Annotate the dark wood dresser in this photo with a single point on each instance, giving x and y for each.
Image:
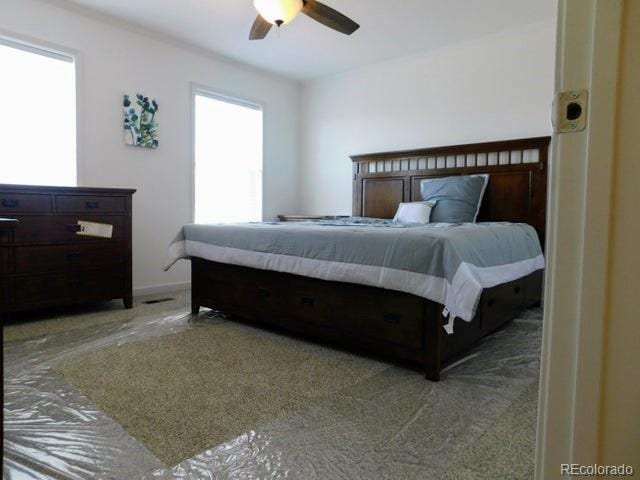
(45, 260)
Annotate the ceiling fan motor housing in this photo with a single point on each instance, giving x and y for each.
(278, 12)
(281, 12)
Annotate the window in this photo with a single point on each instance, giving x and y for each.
(228, 160)
(38, 121)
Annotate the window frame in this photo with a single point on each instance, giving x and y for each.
(42, 47)
(216, 94)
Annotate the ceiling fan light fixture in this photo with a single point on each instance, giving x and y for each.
(278, 12)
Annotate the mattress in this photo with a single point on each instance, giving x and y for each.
(447, 263)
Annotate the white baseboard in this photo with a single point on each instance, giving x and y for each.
(164, 288)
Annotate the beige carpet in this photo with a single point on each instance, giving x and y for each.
(183, 393)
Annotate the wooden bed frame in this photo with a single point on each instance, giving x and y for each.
(389, 323)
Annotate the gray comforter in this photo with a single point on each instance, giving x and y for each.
(446, 263)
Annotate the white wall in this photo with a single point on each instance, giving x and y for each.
(114, 59)
(493, 88)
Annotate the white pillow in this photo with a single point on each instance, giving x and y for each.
(414, 212)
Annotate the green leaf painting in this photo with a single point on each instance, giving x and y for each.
(140, 122)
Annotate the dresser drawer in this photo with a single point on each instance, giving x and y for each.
(89, 203)
(56, 258)
(63, 228)
(68, 287)
(23, 202)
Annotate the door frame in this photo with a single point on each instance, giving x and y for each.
(579, 212)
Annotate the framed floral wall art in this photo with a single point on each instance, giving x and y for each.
(140, 121)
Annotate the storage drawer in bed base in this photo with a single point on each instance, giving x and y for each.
(386, 322)
(395, 318)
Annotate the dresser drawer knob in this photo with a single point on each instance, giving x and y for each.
(263, 292)
(10, 202)
(93, 204)
(517, 289)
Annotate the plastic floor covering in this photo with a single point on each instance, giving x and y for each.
(392, 425)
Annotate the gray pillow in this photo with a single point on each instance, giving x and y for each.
(457, 198)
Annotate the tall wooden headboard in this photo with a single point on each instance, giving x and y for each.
(516, 192)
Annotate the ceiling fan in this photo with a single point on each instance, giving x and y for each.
(281, 12)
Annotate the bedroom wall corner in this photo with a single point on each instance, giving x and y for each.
(495, 87)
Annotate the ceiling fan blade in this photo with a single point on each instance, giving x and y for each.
(259, 29)
(329, 17)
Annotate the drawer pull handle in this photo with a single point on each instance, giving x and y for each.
(392, 318)
(263, 292)
(307, 301)
(491, 302)
(10, 202)
(74, 227)
(93, 204)
(517, 289)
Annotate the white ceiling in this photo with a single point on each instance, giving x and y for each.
(305, 49)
